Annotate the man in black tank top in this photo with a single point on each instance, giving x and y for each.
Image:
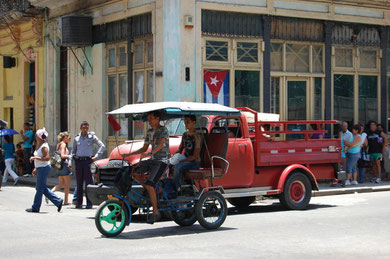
(377, 142)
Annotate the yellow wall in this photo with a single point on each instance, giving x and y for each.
(29, 37)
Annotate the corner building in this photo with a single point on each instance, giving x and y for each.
(301, 59)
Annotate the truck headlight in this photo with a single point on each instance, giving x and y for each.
(93, 168)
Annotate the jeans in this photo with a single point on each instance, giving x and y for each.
(180, 168)
(41, 189)
(8, 170)
(352, 159)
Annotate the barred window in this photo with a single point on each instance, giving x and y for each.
(344, 57)
(297, 58)
(247, 52)
(217, 50)
(367, 58)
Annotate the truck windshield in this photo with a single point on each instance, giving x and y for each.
(176, 126)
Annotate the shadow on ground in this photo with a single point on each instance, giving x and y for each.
(165, 232)
(274, 207)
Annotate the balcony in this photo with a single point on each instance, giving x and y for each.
(15, 11)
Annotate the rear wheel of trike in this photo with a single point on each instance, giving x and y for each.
(110, 220)
(184, 217)
(211, 210)
(296, 192)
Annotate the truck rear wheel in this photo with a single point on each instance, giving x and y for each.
(242, 202)
(296, 192)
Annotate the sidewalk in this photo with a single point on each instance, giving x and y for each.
(325, 188)
(52, 180)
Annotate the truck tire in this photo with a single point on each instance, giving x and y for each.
(296, 192)
(211, 210)
(242, 202)
(184, 218)
(107, 221)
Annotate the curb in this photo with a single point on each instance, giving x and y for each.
(352, 190)
(32, 183)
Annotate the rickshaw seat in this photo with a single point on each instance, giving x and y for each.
(217, 143)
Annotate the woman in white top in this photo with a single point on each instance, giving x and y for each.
(41, 159)
(64, 174)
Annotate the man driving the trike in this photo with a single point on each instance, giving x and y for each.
(158, 137)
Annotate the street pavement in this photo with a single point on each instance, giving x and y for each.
(324, 188)
(338, 226)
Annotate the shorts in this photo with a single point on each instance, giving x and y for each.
(156, 169)
(375, 156)
(64, 171)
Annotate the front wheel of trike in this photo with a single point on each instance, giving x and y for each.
(110, 220)
(211, 210)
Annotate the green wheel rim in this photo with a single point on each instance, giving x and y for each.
(109, 219)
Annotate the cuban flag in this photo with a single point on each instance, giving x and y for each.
(216, 87)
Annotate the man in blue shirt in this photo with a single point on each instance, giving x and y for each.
(28, 138)
(82, 155)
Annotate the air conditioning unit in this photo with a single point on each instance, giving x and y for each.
(9, 62)
(76, 30)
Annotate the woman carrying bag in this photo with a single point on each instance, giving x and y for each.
(41, 160)
(64, 173)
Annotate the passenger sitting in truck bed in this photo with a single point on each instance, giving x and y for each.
(317, 135)
(266, 127)
(191, 142)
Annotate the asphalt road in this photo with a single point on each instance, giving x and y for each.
(342, 226)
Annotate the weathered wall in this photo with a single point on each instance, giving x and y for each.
(87, 92)
(172, 50)
(25, 45)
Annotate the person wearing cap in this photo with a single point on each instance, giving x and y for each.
(82, 155)
(41, 160)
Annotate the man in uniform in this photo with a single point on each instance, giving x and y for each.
(158, 137)
(82, 155)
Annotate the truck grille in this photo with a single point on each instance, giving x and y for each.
(107, 176)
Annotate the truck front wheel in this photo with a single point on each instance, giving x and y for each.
(242, 202)
(296, 192)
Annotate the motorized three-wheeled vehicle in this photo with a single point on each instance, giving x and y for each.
(199, 199)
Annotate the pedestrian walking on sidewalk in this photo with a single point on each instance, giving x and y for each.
(28, 139)
(63, 174)
(352, 150)
(82, 156)
(41, 160)
(9, 157)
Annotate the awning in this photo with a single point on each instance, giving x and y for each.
(174, 109)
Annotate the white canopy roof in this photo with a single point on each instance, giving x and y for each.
(172, 109)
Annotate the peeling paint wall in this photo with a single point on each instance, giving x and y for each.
(87, 92)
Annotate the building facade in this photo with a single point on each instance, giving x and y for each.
(313, 59)
(22, 82)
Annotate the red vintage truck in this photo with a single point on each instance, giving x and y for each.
(286, 167)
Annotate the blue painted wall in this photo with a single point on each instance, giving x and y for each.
(171, 47)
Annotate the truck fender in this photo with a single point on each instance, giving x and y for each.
(296, 167)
